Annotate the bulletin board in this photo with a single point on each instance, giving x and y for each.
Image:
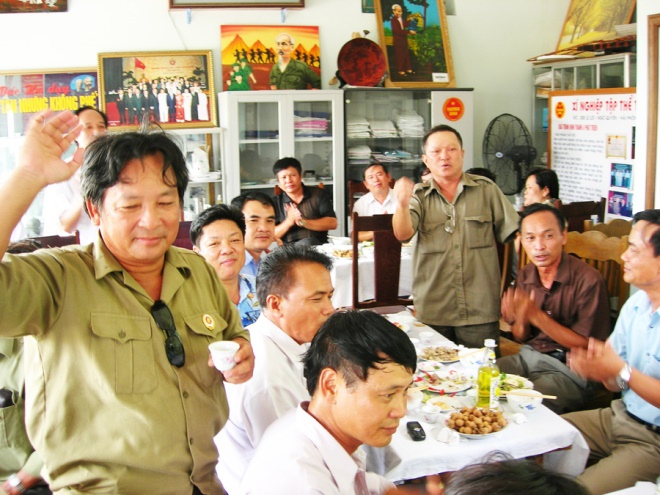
(592, 146)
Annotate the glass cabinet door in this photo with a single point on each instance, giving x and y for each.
(259, 142)
(385, 126)
(313, 140)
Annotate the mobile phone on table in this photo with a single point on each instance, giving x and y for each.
(415, 431)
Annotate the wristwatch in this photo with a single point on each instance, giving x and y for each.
(623, 377)
(303, 221)
(15, 482)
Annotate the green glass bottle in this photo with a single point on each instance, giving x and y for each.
(488, 378)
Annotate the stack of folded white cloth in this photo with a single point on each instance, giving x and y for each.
(359, 155)
(383, 128)
(357, 127)
(409, 123)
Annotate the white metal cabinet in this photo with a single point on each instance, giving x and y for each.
(261, 127)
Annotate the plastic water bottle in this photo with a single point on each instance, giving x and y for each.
(488, 378)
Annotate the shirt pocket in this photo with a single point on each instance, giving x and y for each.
(479, 232)
(12, 425)
(652, 367)
(123, 351)
(433, 238)
(204, 329)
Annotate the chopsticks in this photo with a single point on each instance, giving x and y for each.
(424, 386)
(471, 353)
(525, 393)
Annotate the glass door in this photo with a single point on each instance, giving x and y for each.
(259, 143)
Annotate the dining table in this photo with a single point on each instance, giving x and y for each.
(539, 432)
(342, 274)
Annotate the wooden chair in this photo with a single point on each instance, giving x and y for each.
(387, 262)
(614, 228)
(52, 241)
(183, 236)
(604, 254)
(576, 213)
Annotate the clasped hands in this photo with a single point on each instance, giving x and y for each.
(293, 214)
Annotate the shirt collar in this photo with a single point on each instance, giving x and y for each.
(343, 466)
(388, 199)
(287, 199)
(292, 349)
(430, 186)
(7, 347)
(563, 275)
(105, 263)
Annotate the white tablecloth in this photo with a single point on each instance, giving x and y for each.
(342, 279)
(543, 433)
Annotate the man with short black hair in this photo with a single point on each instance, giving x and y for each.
(625, 438)
(295, 293)
(558, 303)
(259, 211)
(123, 396)
(358, 370)
(458, 218)
(304, 214)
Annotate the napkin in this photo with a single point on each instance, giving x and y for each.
(518, 418)
(447, 435)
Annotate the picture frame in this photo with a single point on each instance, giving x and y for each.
(236, 4)
(23, 6)
(25, 93)
(182, 80)
(584, 18)
(249, 54)
(421, 57)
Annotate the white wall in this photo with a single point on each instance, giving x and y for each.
(490, 40)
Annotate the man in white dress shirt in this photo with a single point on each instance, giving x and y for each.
(358, 370)
(295, 292)
(380, 199)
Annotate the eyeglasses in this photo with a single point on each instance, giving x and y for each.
(450, 224)
(165, 321)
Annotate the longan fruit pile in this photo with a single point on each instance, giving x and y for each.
(475, 421)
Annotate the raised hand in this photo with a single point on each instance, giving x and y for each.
(48, 137)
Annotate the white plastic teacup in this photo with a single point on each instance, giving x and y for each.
(223, 353)
(427, 337)
(430, 413)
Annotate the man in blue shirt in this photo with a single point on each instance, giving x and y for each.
(625, 438)
(259, 212)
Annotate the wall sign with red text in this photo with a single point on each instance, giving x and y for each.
(23, 95)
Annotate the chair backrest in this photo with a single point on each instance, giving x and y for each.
(604, 254)
(387, 262)
(614, 228)
(576, 213)
(51, 241)
(183, 236)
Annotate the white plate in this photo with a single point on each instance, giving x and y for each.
(515, 382)
(403, 326)
(448, 361)
(448, 383)
(445, 403)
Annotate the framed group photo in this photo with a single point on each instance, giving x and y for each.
(415, 40)
(170, 89)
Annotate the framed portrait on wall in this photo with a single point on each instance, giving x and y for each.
(23, 94)
(234, 4)
(24, 6)
(415, 40)
(171, 89)
(270, 57)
